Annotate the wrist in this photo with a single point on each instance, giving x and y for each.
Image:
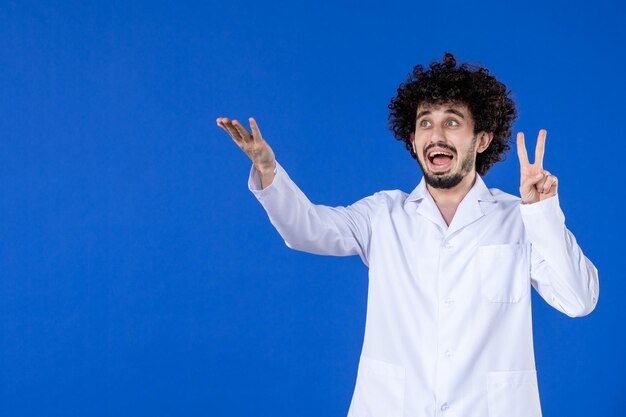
(266, 170)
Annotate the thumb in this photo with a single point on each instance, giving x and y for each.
(528, 183)
(534, 179)
(256, 133)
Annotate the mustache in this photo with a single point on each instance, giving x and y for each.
(440, 145)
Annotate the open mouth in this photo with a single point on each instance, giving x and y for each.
(440, 160)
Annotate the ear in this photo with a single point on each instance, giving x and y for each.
(412, 137)
(484, 139)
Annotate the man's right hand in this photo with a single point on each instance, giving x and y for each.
(253, 145)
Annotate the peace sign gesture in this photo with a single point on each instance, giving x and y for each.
(536, 184)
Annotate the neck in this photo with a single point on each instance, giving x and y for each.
(447, 198)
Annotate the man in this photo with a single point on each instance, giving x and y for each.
(448, 329)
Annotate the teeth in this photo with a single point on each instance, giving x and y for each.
(433, 154)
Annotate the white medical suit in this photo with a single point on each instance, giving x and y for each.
(448, 327)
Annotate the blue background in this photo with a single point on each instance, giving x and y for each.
(139, 276)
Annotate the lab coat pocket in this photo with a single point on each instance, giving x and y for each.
(513, 394)
(504, 272)
(379, 390)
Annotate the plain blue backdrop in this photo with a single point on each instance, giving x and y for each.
(140, 277)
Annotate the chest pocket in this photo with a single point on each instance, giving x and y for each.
(504, 272)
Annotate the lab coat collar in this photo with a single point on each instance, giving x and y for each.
(477, 203)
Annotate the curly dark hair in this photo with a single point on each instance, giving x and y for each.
(443, 82)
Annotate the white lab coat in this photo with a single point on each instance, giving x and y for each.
(448, 328)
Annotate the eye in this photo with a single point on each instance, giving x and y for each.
(424, 123)
(452, 123)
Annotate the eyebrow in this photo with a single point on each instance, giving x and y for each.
(450, 110)
(454, 111)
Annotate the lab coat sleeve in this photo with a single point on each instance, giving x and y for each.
(315, 228)
(560, 272)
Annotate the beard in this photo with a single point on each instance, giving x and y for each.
(451, 179)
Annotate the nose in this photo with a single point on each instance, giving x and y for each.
(437, 134)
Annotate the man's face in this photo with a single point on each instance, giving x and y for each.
(445, 143)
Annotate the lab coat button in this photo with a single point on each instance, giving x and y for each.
(448, 353)
(444, 407)
(448, 301)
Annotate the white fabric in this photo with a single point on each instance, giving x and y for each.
(448, 327)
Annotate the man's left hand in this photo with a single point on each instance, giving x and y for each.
(536, 184)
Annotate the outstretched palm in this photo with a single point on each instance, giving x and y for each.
(252, 144)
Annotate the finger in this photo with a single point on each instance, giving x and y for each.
(228, 126)
(224, 123)
(540, 148)
(256, 133)
(243, 132)
(532, 181)
(554, 187)
(220, 122)
(234, 132)
(551, 184)
(521, 149)
(541, 185)
(528, 192)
